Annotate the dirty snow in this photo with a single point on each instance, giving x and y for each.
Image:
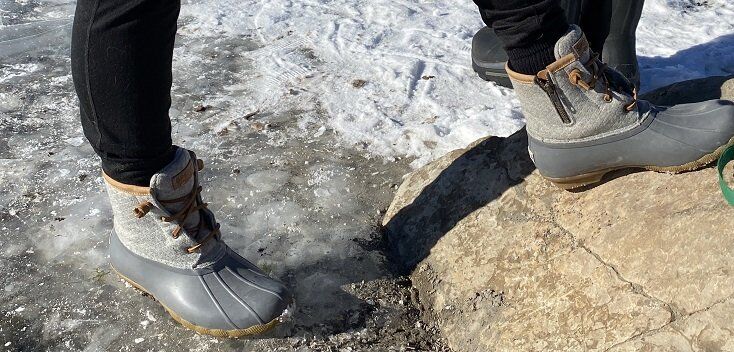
(397, 46)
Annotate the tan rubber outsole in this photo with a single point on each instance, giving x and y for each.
(569, 183)
(254, 330)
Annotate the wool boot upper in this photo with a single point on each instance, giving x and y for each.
(576, 98)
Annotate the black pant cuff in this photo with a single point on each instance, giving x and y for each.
(136, 172)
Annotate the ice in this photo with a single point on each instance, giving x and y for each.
(9, 102)
(268, 180)
(20, 38)
(150, 316)
(75, 141)
(312, 111)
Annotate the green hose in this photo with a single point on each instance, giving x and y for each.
(725, 158)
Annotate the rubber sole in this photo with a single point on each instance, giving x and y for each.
(592, 178)
(492, 75)
(254, 330)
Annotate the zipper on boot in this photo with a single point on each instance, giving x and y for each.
(552, 92)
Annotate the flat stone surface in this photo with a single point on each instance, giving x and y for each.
(705, 331)
(505, 261)
(667, 233)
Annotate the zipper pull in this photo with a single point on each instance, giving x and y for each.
(552, 92)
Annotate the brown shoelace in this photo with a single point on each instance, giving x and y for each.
(190, 206)
(598, 68)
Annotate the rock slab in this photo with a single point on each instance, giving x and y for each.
(505, 261)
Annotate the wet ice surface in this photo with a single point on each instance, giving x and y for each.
(312, 111)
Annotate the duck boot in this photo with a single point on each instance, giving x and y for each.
(167, 243)
(488, 56)
(584, 120)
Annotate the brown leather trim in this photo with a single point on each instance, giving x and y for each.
(581, 46)
(561, 63)
(543, 74)
(552, 68)
(519, 77)
(129, 189)
(183, 176)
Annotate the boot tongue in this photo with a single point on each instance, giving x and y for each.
(174, 181)
(573, 42)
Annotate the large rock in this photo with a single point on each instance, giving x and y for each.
(505, 261)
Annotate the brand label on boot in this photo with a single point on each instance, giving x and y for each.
(581, 47)
(184, 176)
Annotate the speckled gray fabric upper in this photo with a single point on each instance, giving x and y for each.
(591, 116)
(149, 236)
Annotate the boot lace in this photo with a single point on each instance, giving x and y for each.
(600, 71)
(191, 205)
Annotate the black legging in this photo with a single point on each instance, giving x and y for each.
(121, 54)
(523, 23)
(121, 62)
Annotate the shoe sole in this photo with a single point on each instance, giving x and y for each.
(491, 75)
(592, 178)
(254, 330)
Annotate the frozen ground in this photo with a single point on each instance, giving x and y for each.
(348, 95)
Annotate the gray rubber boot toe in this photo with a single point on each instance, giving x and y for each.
(703, 126)
(232, 298)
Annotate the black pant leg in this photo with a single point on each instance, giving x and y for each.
(522, 23)
(121, 63)
(528, 30)
(595, 22)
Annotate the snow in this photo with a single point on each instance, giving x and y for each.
(677, 41)
(314, 111)
(322, 47)
(392, 45)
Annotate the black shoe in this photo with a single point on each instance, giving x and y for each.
(488, 58)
